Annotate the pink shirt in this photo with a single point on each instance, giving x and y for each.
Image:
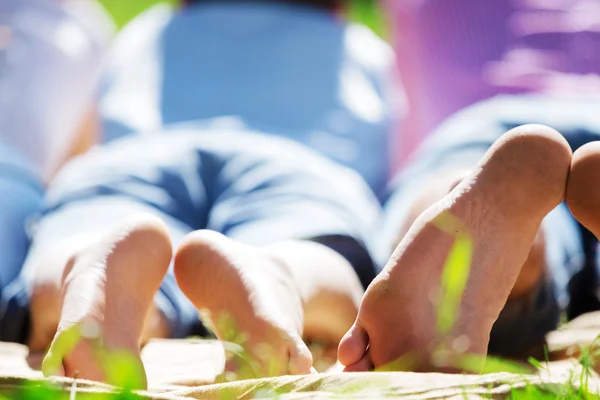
(453, 53)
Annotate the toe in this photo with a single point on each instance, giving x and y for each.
(300, 358)
(365, 364)
(353, 345)
(52, 365)
(51, 368)
(83, 364)
(64, 342)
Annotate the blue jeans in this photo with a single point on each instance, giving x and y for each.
(254, 188)
(459, 144)
(21, 195)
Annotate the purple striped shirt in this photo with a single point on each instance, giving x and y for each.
(453, 53)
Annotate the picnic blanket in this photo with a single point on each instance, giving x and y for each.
(187, 369)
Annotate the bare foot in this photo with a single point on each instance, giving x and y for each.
(253, 290)
(106, 298)
(495, 214)
(583, 189)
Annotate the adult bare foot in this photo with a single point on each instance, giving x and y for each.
(495, 214)
(107, 293)
(253, 290)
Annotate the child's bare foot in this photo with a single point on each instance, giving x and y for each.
(583, 199)
(252, 289)
(497, 211)
(583, 189)
(107, 293)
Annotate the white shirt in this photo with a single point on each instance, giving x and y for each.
(282, 69)
(50, 60)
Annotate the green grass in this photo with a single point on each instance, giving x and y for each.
(367, 12)
(370, 13)
(123, 371)
(576, 387)
(123, 374)
(123, 11)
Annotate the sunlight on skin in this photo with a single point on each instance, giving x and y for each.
(456, 271)
(242, 365)
(63, 345)
(120, 367)
(454, 279)
(121, 370)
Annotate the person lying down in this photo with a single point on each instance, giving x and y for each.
(262, 232)
(277, 203)
(256, 233)
(274, 249)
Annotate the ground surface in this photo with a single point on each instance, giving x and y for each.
(187, 369)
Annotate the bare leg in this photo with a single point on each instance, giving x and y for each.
(109, 287)
(271, 294)
(499, 207)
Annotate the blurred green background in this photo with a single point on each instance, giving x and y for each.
(365, 11)
(122, 11)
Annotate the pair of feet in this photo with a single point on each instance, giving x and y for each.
(108, 291)
(494, 214)
(483, 231)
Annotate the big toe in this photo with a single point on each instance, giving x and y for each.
(353, 345)
(365, 364)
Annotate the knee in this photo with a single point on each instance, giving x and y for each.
(583, 188)
(537, 160)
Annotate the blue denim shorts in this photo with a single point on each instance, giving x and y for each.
(459, 144)
(254, 188)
